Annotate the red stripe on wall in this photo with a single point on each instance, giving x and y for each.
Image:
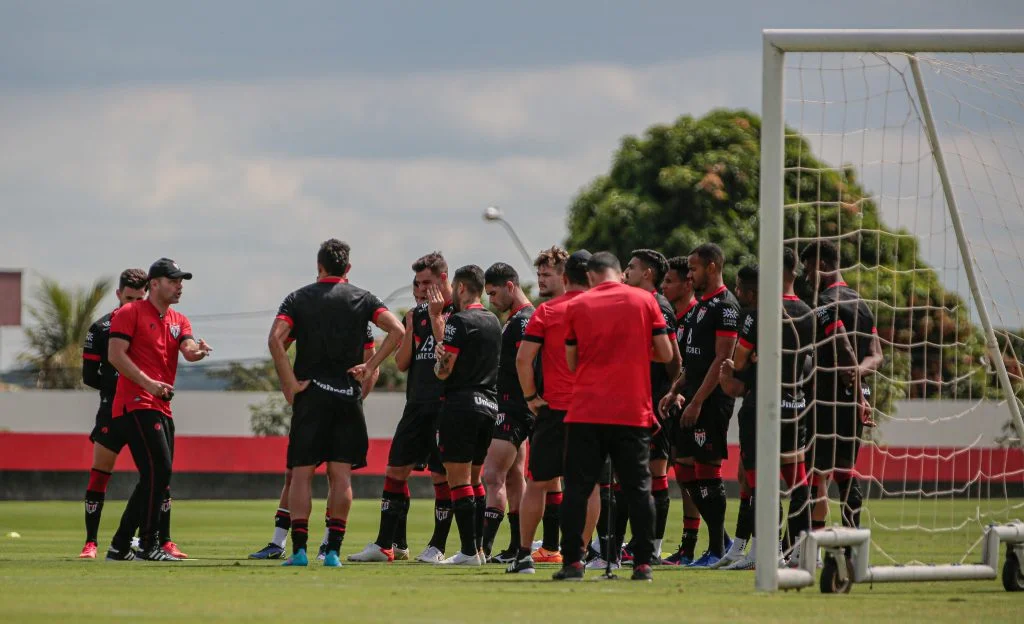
(230, 454)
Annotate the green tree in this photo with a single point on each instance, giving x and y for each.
(698, 180)
(61, 318)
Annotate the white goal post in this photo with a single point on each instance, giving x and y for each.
(776, 45)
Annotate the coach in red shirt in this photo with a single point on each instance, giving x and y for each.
(614, 332)
(145, 339)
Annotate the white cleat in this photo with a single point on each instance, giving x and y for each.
(430, 554)
(746, 562)
(601, 564)
(372, 553)
(733, 555)
(462, 559)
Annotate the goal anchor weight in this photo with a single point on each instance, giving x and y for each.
(842, 543)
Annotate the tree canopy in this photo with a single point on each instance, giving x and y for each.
(697, 180)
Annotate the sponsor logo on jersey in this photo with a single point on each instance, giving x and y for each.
(329, 388)
(748, 322)
(730, 314)
(700, 315)
(483, 402)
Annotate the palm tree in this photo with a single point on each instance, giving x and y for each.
(62, 317)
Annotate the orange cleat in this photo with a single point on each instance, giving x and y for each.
(542, 555)
(172, 549)
(88, 551)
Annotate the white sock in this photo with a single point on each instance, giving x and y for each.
(327, 532)
(280, 535)
(752, 545)
(738, 544)
(657, 548)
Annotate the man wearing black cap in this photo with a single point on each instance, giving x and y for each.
(145, 339)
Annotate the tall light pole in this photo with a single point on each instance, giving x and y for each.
(494, 214)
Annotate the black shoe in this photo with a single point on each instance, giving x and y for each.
(505, 557)
(521, 566)
(114, 554)
(642, 573)
(570, 572)
(591, 554)
(156, 554)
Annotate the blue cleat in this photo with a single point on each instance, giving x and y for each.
(298, 559)
(270, 551)
(706, 560)
(331, 559)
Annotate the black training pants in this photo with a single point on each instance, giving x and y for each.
(151, 440)
(629, 448)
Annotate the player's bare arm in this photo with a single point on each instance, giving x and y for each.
(662, 351)
(525, 357)
(403, 358)
(371, 381)
(278, 343)
(874, 358)
(387, 322)
(194, 351)
(724, 347)
(444, 362)
(117, 355)
(675, 365)
(741, 360)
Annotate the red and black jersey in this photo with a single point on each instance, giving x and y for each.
(422, 385)
(154, 340)
(798, 331)
(96, 369)
(548, 329)
(660, 381)
(329, 322)
(474, 334)
(510, 393)
(841, 306)
(716, 314)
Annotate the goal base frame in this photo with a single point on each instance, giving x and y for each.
(837, 540)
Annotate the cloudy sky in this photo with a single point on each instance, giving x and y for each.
(235, 136)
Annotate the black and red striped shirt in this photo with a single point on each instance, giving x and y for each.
(329, 325)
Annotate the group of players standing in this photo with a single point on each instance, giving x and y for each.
(591, 378)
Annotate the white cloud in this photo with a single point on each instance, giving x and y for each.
(240, 181)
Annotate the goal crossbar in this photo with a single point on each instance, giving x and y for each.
(776, 43)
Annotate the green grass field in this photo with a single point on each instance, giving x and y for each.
(41, 580)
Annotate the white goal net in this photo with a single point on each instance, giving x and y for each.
(943, 461)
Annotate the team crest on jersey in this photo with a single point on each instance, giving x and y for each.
(175, 331)
(700, 436)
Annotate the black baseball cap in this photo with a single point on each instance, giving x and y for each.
(578, 260)
(165, 267)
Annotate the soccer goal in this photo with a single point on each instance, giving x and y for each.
(906, 149)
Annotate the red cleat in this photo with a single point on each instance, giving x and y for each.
(172, 549)
(88, 551)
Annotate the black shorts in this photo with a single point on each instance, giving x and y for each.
(793, 433)
(661, 440)
(327, 427)
(547, 445)
(108, 432)
(464, 435)
(514, 425)
(415, 440)
(837, 436)
(707, 440)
